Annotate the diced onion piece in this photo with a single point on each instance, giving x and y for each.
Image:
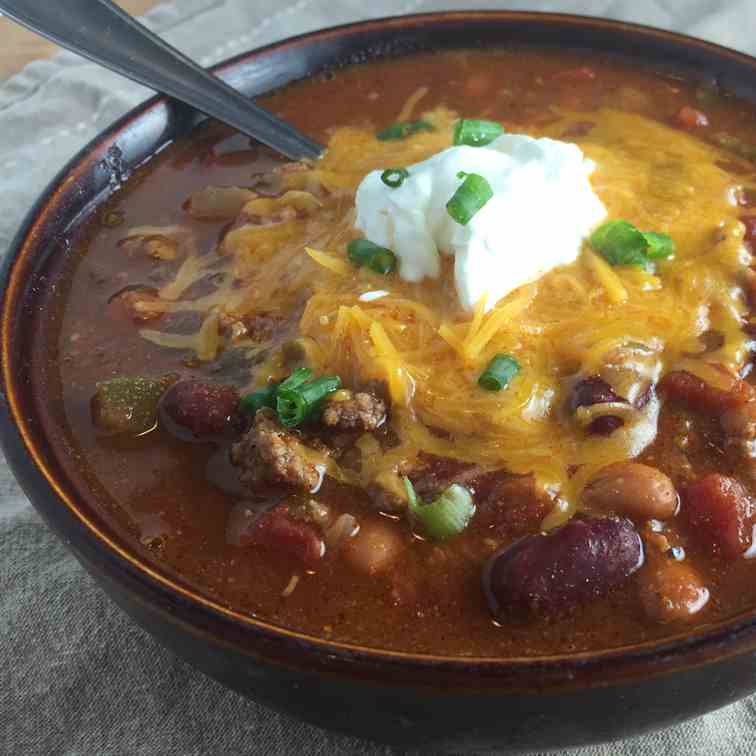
(208, 338)
(218, 202)
(345, 526)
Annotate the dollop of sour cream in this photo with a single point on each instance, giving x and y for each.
(543, 207)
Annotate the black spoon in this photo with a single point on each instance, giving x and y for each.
(102, 32)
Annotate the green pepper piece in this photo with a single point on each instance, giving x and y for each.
(128, 405)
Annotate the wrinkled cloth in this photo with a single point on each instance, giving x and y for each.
(76, 675)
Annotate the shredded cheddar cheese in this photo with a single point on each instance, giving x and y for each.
(289, 253)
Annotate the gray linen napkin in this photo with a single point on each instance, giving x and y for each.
(78, 677)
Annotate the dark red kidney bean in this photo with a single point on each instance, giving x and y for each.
(689, 389)
(590, 391)
(199, 411)
(552, 574)
(605, 425)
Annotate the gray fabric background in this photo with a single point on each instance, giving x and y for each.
(76, 676)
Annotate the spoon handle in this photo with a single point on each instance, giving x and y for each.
(102, 32)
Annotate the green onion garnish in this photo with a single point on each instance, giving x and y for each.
(444, 517)
(660, 246)
(476, 133)
(296, 404)
(403, 129)
(621, 243)
(363, 252)
(266, 397)
(297, 378)
(470, 197)
(394, 177)
(499, 372)
(295, 399)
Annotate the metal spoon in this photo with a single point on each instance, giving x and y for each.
(102, 32)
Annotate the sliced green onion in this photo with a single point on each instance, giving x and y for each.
(444, 517)
(660, 246)
(295, 405)
(499, 372)
(476, 133)
(394, 177)
(297, 378)
(363, 252)
(469, 198)
(404, 129)
(266, 397)
(621, 243)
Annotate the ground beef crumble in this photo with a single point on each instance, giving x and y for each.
(270, 452)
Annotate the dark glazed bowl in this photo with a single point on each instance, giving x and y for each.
(435, 702)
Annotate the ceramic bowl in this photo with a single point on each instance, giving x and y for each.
(452, 704)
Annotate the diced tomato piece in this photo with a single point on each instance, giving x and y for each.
(721, 514)
(584, 73)
(690, 118)
(278, 531)
(700, 396)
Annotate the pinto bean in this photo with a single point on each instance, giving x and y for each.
(375, 548)
(551, 574)
(671, 591)
(632, 489)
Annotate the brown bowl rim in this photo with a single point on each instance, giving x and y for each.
(724, 639)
